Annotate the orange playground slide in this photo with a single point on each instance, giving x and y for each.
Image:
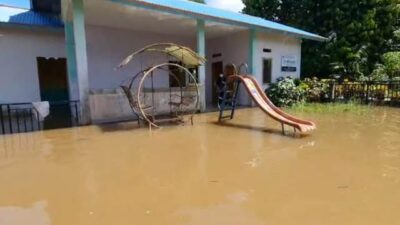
(258, 96)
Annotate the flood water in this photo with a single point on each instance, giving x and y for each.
(242, 173)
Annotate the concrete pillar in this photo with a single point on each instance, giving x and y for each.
(252, 59)
(252, 51)
(71, 61)
(77, 55)
(201, 50)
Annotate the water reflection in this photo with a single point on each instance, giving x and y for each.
(34, 215)
(347, 170)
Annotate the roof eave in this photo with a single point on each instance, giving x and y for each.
(316, 38)
(214, 18)
(311, 36)
(30, 26)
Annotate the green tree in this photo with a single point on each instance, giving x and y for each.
(359, 32)
(391, 60)
(198, 1)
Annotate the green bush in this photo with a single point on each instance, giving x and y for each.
(396, 78)
(315, 90)
(285, 92)
(391, 60)
(378, 74)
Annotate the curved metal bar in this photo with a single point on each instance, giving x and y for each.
(234, 68)
(148, 72)
(246, 67)
(132, 104)
(130, 57)
(152, 48)
(127, 90)
(132, 79)
(177, 80)
(179, 83)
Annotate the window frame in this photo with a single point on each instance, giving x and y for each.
(187, 80)
(265, 81)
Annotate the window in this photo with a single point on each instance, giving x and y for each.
(267, 50)
(180, 74)
(195, 72)
(267, 71)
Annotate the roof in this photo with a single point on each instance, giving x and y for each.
(14, 15)
(47, 6)
(203, 11)
(21, 16)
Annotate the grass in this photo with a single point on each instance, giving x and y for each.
(352, 107)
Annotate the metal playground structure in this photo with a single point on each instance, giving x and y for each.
(228, 101)
(179, 64)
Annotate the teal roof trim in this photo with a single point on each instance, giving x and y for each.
(202, 11)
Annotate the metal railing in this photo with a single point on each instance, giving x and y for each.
(375, 92)
(23, 117)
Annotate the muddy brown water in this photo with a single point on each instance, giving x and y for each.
(243, 173)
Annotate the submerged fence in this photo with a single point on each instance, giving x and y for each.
(23, 117)
(374, 92)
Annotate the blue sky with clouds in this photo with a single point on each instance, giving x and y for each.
(18, 3)
(233, 5)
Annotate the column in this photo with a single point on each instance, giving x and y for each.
(201, 50)
(71, 61)
(252, 51)
(77, 57)
(252, 59)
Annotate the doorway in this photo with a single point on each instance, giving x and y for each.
(216, 70)
(53, 84)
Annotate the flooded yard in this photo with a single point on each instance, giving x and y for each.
(241, 173)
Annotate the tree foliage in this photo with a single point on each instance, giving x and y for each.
(359, 32)
(198, 1)
(285, 92)
(391, 61)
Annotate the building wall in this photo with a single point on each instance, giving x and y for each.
(233, 49)
(280, 45)
(107, 47)
(19, 48)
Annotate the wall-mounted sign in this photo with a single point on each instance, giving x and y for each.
(289, 63)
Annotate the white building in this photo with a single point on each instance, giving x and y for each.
(64, 51)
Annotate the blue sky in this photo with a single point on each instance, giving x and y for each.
(19, 3)
(233, 5)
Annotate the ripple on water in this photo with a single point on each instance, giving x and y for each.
(245, 172)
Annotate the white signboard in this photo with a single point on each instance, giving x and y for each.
(289, 63)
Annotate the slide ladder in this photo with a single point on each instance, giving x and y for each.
(228, 101)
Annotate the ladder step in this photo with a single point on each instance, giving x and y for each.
(228, 108)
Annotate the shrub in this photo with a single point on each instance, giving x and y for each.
(396, 78)
(315, 89)
(285, 92)
(391, 60)
(378, 74)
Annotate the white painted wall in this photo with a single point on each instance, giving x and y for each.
(281, 46)
(234, 49)
(19, 48)
(107, 47)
